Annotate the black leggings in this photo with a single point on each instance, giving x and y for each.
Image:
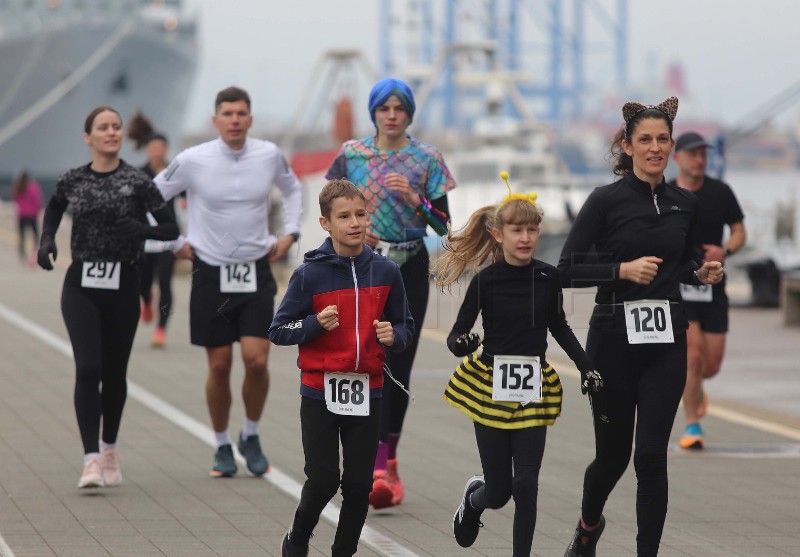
(511, 459)
(101, 325)
(321, 431)
(643, 386)
(415, 273)
(164, 264)
(23, 223)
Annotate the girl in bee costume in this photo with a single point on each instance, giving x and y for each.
(509, 390)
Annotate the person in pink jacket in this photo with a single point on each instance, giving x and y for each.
(27, 194)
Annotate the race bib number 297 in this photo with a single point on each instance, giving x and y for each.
(100, 274)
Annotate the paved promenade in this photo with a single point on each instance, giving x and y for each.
(738, 498)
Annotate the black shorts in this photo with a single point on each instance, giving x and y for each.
(220, 319)
(713, 315)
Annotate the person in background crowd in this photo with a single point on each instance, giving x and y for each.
(159, 260)
(706, 306)
(27, 195)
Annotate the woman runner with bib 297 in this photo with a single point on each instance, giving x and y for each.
(109, 200)
(509, 390)
(634, 240)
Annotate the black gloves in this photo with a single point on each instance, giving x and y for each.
(130, 229)
(46, 247)
(591, 382)
(466, 343)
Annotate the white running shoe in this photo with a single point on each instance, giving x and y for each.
(92, 474)
(112, 473)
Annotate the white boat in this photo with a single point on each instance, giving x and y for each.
(61, 58)
(523, 149)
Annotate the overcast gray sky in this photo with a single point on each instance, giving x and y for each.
(736, 55)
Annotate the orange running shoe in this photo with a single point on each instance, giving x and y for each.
(381, 495)
(398, 491)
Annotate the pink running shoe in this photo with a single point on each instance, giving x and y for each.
(381, 495)
(112, 473)
(92, 475)
(398, 491)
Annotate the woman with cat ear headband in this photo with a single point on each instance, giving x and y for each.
(634, 240)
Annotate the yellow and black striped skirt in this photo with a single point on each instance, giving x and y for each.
(470, 390)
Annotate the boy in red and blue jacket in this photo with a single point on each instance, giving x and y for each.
(344, 306)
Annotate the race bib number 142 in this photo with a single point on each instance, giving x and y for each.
(238, 277)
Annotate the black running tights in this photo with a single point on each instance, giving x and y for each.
(415, 273)
(164, 264)
(511, 459)
(101, 325)
(643, 386)
(321, 431)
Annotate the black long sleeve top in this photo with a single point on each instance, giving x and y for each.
(622, 222)
(98, 201)
(518, 306)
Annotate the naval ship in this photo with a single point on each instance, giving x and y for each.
(61, 58)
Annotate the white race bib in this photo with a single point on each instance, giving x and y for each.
(347, 393)
(517, 379)
(382, 248)
(101, 274)
(648, 321)
(238, 277)
(696, 292)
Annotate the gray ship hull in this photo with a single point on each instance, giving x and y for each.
(147, 69)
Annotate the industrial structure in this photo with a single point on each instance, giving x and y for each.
(552, 52)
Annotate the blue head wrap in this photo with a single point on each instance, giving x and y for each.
(384, 89)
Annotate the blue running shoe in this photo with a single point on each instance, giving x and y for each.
(257, 463)
(224, 463)
(692, 437)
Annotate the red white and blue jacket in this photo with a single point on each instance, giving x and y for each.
(363, 288)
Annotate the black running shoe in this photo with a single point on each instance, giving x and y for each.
(257, 463)
(467, 520)
(289, 549)
(584, 542)
(224, 463)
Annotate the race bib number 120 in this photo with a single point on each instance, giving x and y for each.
(347, 394)
(100, 274)
(517, 379)
(238, 277)
(648, 321)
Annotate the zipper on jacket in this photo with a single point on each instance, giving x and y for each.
(655, 202)
(358, 341)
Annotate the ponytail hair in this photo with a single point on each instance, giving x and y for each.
(473, 244)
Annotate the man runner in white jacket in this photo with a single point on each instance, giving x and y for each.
(227, 183)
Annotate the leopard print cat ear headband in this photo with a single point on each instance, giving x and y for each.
(668, 107)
